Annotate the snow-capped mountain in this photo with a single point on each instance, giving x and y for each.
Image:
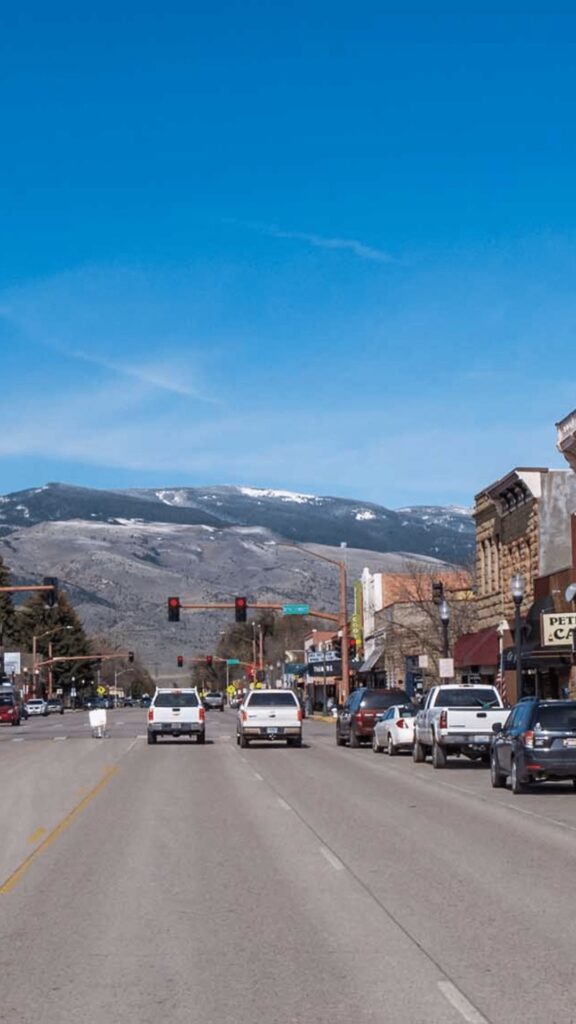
(441, 532)
(119, 554)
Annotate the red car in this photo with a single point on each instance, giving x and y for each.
(10, 709)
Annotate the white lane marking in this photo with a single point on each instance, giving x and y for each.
(331, 858)
(141, 736)
(57, 739)
(501, 803)
(259, 777)
(460, 1003)
(283, 804)
(118, 723)
(18, 739)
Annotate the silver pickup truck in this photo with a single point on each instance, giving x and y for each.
(456, 719)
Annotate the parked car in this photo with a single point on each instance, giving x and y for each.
(37, 706)
(10, 708)
(55, 705)
(270, 715)
(457, 719)
(394, 730)
(536, 743)
(356, 719)
(176, 713)
(214, 700)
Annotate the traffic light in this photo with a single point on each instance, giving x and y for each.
(209, 660)
(240, 607)
(250, 673)
(352, 648)
(173, 609)
(50, 596)
(130, 656)
(337, 645)
(438, 592)
(180, 660)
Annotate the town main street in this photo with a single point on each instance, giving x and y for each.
(288, 886)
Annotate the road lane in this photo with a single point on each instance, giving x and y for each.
(389, 891)
(189, 890)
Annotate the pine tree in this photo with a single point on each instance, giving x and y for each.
(8, 619)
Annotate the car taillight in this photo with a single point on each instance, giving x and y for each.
(244, 716)
(528, 738)
(151, 714)
(443, 722)
(202, 714)
(299, 714)
(400, 723)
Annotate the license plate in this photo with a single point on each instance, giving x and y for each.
(272, 730)
(481, 739)
(571, 742)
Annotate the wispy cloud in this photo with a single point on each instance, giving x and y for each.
(157, 376)
(353, 245)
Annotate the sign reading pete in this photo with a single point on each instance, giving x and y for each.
(557, 629)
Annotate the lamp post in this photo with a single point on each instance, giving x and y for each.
(343, 608)
(444, 611)
(517, 588)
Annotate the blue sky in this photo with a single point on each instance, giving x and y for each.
(324, 247)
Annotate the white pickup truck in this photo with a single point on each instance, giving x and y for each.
(176, 713)
(456, 719)
(270, 715)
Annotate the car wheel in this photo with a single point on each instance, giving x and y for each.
(17, 722)
(201, 737)
(497, 779)
(391, 747)
(438, 756)
(418, 753)
(517, 784)
(340, 739)
(243, 741)
(375, 745)
(353, 741)
(295, 741)
(152, 737)
(574, 784)
(221, 709)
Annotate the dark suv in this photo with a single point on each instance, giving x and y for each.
(355, 721)
(537, 742)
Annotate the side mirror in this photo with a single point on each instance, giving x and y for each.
(497, 727)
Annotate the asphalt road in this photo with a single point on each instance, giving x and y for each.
(290, 886)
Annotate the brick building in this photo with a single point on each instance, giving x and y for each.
(523, 524)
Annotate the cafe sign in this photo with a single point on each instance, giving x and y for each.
(557, 629)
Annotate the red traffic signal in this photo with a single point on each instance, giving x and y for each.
(173, 609)
(180, 660)
(209, 660)
(240, 608)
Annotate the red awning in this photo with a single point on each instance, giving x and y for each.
(479, 648)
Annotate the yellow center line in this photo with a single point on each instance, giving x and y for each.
(20, 871)
(36, 835)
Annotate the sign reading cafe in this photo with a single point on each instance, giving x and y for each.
(557, 629)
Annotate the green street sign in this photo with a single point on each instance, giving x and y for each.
(233, 661)
(295, 609)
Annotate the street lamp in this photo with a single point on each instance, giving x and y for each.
(517, 588)
(444, 611)
(343, 610)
